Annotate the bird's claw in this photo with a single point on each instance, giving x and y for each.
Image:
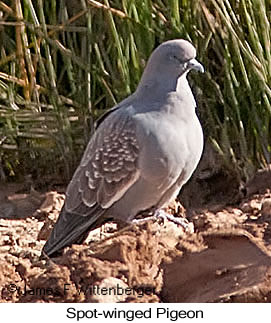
(161, 214)
(179, 221)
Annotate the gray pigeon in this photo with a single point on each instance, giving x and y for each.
(142, 152)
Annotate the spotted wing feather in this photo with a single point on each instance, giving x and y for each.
(108, 167)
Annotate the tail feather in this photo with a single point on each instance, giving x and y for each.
(69, 229)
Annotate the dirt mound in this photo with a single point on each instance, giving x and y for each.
(226, 258)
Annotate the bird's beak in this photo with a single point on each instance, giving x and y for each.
(195, 65)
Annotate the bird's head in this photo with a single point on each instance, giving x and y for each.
(171, 60)
(176, 55)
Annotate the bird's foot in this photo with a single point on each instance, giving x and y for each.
(161, 214)
(179, 221)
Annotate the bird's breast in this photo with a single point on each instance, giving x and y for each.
(171, 143)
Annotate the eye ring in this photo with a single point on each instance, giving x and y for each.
(179, 60)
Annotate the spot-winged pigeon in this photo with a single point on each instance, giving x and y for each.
(142, 152)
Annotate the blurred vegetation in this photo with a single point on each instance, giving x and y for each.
(64, 62)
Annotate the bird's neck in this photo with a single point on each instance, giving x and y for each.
(162, 89)
(162, 84)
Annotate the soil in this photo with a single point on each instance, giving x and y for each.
(223, 255)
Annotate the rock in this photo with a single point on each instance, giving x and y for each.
(233, 263)
(7, 209)
(266, 207)
(110, 290)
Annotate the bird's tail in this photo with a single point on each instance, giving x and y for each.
(69, 229)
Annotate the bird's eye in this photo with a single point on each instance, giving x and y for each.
(175, 57)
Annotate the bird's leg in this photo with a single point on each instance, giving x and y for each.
(148, 218)
(161, 214)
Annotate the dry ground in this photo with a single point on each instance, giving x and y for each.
(226, 258)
